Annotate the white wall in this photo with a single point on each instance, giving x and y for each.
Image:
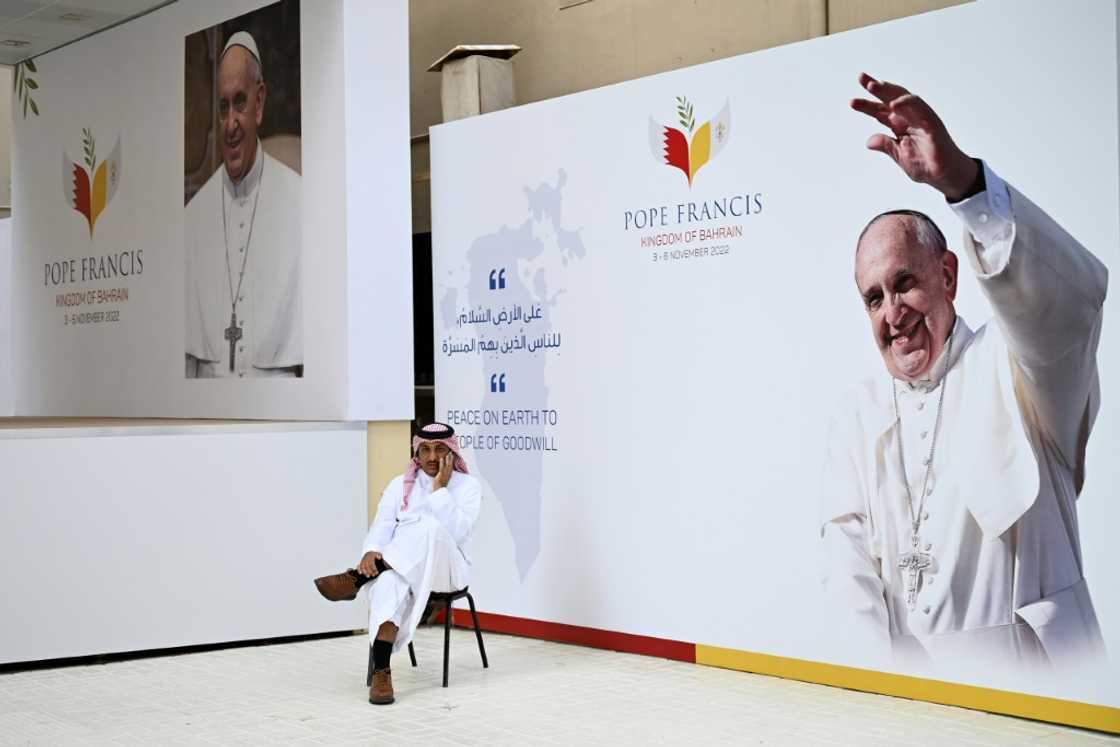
(125, 539)
(379, 263)
(6, 402)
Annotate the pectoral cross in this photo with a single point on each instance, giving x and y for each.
(914, 562)
(233, 334)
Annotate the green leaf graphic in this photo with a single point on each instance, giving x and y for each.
(89, 145)
(22, 86)
(684, 113)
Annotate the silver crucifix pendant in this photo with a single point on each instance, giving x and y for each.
(914, 563)
(233, 334)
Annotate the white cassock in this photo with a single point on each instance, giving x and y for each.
(427, 547)
(262, 233)
(1000, 518)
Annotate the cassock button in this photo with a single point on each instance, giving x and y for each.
(921, 405)
(929, 546)
(983, 217)
(240, 249)
(925, 462)
(926, 514)
(929, 581)
(925, 433)
(926, 609)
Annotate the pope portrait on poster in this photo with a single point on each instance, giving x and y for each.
(243, 197)
(949, 518)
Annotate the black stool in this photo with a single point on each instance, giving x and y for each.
(446, 598)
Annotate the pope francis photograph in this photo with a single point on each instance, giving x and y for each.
(243, 238)
(949, 525)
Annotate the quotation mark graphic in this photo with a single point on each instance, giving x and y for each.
(498, 383)
(498, 279)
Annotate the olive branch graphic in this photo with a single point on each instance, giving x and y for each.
(24, 85)
(88, 146)
(684, 111)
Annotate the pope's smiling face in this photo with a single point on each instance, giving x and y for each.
(429, 454)
(908, 290)
(241, 95)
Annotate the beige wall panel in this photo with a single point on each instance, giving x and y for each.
(388, 443)
(852, 14)
(669, 34)
(598, 42)
(582, 47)
(438, 25)
(421, 186)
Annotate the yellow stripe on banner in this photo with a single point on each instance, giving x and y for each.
(1101, 718)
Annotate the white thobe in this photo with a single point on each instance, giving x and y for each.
(1000, 514)
(261, 217)
(427, 547)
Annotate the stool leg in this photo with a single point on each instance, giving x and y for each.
(412, 653)
(446, 641)
(478, 632)
(369, 667)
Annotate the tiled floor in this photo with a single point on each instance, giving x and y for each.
(313, 692)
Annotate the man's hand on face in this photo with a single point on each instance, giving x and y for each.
(446, 463)
(368, 564)
(921, 145)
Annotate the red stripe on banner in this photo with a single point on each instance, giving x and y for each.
(580, 636)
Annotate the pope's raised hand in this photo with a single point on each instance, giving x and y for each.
(919, 142)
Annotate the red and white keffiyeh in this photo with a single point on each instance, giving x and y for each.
(439, 433)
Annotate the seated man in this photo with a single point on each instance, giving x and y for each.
(419, 543)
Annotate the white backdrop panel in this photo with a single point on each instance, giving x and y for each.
(668, 486)
(5, 317)
(140, 538)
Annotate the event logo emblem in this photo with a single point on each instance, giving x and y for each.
(689, 152)
(90, 188)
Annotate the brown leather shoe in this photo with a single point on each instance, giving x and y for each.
(381, 691)
(341, 586)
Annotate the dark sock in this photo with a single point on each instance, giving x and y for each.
(362, 580)
(382, 650)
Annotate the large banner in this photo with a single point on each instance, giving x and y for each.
(701, 416)
(211, 216)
